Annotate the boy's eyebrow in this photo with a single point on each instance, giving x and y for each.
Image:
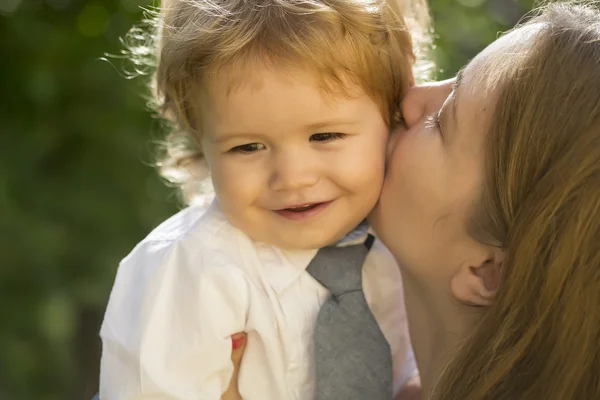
(227, 136)
(315, 126)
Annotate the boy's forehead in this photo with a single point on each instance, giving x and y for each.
(253, 77)
(269, 101)
(237, 88)
(232, 79)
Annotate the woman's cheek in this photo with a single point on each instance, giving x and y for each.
(391, 146)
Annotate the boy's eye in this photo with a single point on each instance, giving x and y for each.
(248, 148)
(326, 137)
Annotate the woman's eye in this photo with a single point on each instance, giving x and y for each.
(326, 137)
(248, 148)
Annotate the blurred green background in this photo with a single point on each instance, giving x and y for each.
(77, 189)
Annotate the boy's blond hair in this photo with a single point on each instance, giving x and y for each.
(362, 42)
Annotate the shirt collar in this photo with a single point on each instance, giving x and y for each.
(357, 236)
(283, 267)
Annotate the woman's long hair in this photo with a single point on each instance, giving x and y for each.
(540, 340)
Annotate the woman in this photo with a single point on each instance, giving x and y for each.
(492, 208)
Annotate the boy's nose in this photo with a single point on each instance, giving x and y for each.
(293, 172)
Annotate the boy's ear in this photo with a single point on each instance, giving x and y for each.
(477, 284)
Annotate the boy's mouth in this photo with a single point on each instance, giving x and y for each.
(302, 208)
(303, 211)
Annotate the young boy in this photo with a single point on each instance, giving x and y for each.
(288, 104)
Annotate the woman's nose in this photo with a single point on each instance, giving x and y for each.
(420, 101)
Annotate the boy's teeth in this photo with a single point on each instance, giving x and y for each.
(302, 208)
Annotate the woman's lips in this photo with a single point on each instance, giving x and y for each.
(303, 212)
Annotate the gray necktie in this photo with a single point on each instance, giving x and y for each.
(353, 358)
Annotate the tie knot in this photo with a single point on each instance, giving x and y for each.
(339, 269)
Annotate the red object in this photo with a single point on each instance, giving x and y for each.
(236, 343)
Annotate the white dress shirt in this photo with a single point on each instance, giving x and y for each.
(195, 281)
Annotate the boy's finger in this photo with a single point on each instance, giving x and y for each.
(238, 345)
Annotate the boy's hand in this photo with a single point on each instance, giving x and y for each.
(238, 345)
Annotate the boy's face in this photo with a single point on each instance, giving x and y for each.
(292, 166)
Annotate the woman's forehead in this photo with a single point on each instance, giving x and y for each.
(476, 90)
(506, 53)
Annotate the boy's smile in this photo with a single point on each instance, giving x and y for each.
(292, 165)
(302, 212)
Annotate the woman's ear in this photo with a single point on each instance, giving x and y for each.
(476, 284)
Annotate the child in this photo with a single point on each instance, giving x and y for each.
(288, 103)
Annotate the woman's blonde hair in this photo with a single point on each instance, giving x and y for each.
(540, 340)
(365, 42)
